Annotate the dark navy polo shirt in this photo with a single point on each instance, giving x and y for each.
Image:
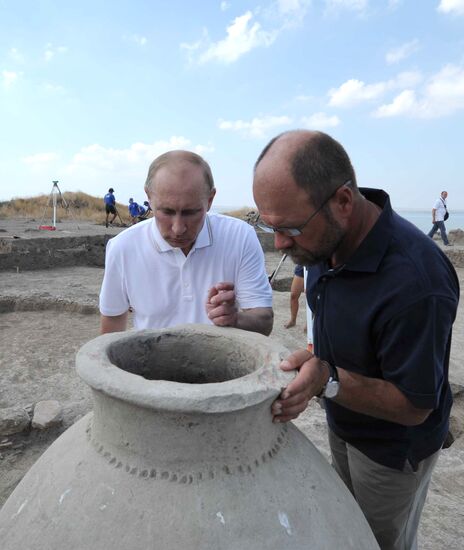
(387, 313)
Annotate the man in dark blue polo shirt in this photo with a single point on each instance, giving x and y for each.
(384, 298)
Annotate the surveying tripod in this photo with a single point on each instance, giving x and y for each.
(55, 197)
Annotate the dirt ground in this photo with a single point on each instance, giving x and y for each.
(45, 316)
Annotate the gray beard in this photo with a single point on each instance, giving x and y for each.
(323, 250)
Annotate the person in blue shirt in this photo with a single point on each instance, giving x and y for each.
(384, 298)
(135, 210)
(110, 206)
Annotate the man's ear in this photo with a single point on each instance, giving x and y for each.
(211, 197)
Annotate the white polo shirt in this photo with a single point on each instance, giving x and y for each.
(440, 209)
(165, 288)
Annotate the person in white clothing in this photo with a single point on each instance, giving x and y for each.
(439, 216)
(185, 265)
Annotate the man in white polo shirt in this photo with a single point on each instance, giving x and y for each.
(185, 265)
(439, 216)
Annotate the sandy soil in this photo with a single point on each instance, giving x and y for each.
(47, 315)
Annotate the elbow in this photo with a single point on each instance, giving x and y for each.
(416, 417)
(269, 324)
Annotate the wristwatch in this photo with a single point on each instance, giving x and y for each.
(331, 389)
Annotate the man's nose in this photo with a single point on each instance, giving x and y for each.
(281, 242)
(178, 225)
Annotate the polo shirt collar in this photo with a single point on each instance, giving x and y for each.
(372, 249)
(204, 238)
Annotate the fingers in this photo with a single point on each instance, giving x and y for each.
(296, 360)
(211, 292)
(311, 378)
(221, 292)
(224, 315)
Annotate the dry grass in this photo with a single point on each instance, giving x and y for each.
(81, 206)
(241, 213)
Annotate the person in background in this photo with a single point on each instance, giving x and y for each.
(148, 209)
(384, 299)
(185, 265)
(110, 206)
(134, 210)
(295, 292)
(439, 216)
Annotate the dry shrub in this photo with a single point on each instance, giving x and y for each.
(78, 205)
(241, 213)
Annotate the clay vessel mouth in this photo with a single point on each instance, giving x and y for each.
(198, 358)
(188, 367)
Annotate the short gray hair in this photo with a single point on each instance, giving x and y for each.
(179, 155)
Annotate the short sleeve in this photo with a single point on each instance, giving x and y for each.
(252, 288)
(414, 349)
(113, 296)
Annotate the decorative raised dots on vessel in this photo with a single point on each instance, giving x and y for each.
(186, 477)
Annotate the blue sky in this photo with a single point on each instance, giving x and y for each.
(92, 91)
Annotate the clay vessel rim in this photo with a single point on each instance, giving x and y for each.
(265, 383)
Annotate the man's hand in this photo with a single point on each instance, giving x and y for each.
(312, 376)
(220, 305)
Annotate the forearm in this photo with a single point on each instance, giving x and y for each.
(377, 398)
(259, 319)
(117, 323)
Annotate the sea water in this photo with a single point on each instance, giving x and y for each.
(423, 219)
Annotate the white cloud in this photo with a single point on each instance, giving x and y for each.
(335, 6)
(402, 104)
(246, 32)
(257, 127)
(442, 95)
(9, 78)
(318, 121)
(401, 52)
(291, 12)
(353, 91)
(40, 161)
(131, 164)
(243, 35)
(99, 167)
(225, 6)
(455, 7)
(51, 51)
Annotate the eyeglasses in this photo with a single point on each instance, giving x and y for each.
(296, 231)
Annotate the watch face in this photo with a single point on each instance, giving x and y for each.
(331, 389)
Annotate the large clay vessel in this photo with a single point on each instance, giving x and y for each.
(181, 453)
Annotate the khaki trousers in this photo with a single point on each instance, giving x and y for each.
(391, 500)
